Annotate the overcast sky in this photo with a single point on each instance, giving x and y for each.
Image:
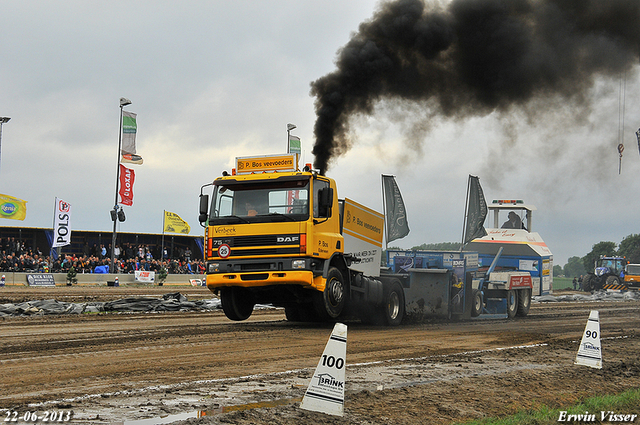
(212, 80)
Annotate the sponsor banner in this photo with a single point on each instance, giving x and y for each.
(131, 159)
(247, 165)
(520, 281)
(145, 276)
(397, 225)
(294, 145)
(174, 224)
(127, 178)
(61, 223)
(12, 208)
(362, 231)
(196, 282)
(476, 211)
(129, 130)
(41, 279)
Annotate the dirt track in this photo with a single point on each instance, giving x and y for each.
(108, 368)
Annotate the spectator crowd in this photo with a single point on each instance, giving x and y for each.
(15, 256)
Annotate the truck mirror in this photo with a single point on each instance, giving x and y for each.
(204, 208)
(325, 200)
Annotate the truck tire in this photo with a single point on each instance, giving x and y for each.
(524, 302)
(393, 306)
(477, 303)
(512, 303)
(330, 303)
(301, 313)
(237, 303)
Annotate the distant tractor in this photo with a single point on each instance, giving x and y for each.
(608, 273)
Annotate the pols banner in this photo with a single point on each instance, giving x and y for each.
(127, 177)
(12, 208)
(61, 223)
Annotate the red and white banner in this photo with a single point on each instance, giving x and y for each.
(61, 223)
(127, 177)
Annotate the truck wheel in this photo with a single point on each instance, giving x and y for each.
(477, 303)
(301, 313)
(330, 303)
(524, 302)
(393, 307)
(237, 303)
(292, 314)
(512, 303)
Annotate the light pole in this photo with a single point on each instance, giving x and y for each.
(3, 120)
(117, 214)
(289, 128)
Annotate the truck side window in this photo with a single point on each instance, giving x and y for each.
(318, 185)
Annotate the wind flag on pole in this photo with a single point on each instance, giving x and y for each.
(129, 130)
(395, 212)
(294, 145)
(174, 224)
(12, 208)
(127, 178)
(476, 211)
(61, 223)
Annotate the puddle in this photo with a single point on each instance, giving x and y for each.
(223, 409)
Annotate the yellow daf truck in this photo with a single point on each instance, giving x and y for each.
(276, 235)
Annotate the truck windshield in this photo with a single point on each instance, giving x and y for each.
(260, 201)
(633, 269)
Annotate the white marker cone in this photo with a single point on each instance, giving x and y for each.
(590, 351)
(326, 391)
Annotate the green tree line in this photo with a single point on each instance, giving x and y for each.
(576, 266)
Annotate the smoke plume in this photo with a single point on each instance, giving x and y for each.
(471, 58)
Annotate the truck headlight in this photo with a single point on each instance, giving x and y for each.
(298, 264)
(213, 267)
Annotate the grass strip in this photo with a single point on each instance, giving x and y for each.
(622, 405)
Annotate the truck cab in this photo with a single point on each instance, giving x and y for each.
(273, 236)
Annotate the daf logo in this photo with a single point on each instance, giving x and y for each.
(288, 239)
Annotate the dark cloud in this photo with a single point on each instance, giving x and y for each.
(473, 57)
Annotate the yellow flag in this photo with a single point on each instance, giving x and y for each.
(13, 208)
(174, 224)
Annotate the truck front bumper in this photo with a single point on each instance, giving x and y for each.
(305, 278)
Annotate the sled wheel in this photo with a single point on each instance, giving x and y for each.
(478, 303)
(524, 302)
(512, 303)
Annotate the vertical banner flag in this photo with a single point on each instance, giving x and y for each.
(174, 224)
(127, 177)
(12, 208)
(476, 211)
(294, 145)
(61, 223)
(129, 130)
(396, 214)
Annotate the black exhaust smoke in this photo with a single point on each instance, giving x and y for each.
(471, 58)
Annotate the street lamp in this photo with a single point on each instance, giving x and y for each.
(117, 214)
(3, 120)
(289, 128)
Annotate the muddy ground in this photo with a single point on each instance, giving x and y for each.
(200, 368)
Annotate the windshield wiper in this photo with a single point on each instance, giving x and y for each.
(281, 215)
(238, 217)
